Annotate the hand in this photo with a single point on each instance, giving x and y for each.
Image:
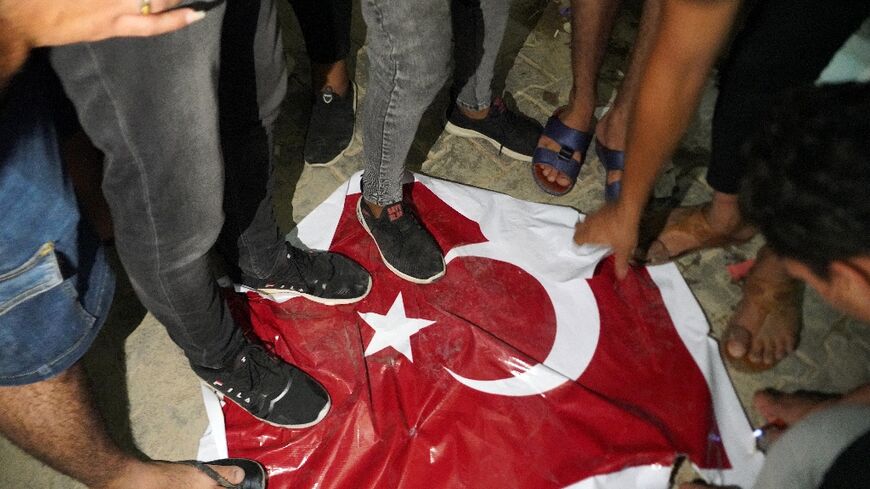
(40, 23)
(610, 226)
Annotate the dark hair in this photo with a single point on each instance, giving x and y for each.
(808, 182)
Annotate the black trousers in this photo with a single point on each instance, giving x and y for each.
(325, 27)
(784, 43)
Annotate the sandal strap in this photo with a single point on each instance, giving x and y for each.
(569, 139)
(211, 473)
(559, 161)
(612, 191)
(611, 159)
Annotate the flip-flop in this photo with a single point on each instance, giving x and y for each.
(569, 141)
(612, 160)
(255, 474)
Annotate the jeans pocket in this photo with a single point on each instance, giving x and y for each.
(43, 327)
(39, 274)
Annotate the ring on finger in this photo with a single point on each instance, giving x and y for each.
(145, 7)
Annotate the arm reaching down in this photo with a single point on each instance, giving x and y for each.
(689, 38)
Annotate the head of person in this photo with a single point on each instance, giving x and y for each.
(808, 190)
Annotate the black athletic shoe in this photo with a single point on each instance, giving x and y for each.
(514, 134)
(330, 129)
(272, 390)
(405, 246)
(321, 276)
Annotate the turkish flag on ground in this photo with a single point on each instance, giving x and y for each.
(528, 365)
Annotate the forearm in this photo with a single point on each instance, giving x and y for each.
(689, 38)
(859, 395)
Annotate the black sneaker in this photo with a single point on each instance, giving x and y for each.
(514, 134)
(330, 129)
(272, 390)
(404, 244)
(321, 276)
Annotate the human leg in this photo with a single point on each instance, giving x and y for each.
(478, 29)
(164, 183)
(591, 24)
(162, 176)
(53, 303)
(611, 130)
(326, 28)
(408, 47)
(55, 421)
(251, 91)
(782, 45)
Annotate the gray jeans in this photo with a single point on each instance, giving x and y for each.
(172, 114)
(409, 46)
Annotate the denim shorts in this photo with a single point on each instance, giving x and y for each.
(55, 283)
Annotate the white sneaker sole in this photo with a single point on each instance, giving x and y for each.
(270, 292)
(322, 414)
(349, 144)
(421, 281)
(469, 133)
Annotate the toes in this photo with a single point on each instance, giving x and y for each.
(230, 473)
(737, 341)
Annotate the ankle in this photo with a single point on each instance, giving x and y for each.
(375, 209)
(723, 215)
(580, 111)
(333, 76)
(126, 473)
(477, 115)
(611, 129)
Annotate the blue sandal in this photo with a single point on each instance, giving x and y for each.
(612, 160)
(570, 141)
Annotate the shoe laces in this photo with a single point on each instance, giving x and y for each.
(251, 372)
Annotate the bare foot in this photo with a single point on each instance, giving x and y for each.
(764, 329)
(558, 181)
(700, 227)
(161, 475)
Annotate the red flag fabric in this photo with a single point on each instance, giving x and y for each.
(527, 365)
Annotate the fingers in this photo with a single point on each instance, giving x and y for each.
(620, 263)
(580, 231)
(136, 25)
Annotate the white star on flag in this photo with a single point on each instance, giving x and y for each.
(393, 329)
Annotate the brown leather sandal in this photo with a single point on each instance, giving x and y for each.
(688, 224)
